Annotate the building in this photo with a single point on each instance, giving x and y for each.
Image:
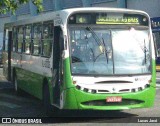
(28, 10)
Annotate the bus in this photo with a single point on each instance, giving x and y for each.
(83, 58)
(156, 35)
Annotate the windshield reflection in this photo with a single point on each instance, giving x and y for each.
(106, 52)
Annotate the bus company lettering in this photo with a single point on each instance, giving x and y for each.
(46, 63)
(34, 121)
(22, 121)
(150, 120)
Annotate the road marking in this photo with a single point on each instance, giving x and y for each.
(9, 105)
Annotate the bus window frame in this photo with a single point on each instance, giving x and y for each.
(30, 44)
(39, 39)
(17, 29)
(5, 40)
(14, 38)
(50, 39)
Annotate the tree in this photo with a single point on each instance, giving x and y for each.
(12, 5)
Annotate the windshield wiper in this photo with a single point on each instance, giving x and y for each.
(145, 52)
(94, 35)
(98, 42)
(105, 50)
(146, 55)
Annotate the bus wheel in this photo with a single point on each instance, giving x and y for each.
(46, 100)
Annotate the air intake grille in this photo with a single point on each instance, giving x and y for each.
(104, 103)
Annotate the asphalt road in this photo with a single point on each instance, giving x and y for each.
(25, 105)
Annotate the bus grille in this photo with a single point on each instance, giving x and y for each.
(104, 103)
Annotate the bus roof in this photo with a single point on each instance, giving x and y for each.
(102, 9)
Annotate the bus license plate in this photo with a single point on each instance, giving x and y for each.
(114, 99)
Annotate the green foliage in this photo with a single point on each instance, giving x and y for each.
(12, 5)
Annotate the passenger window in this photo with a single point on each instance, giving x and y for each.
(47, 39)
(27, 42)
(14, 39)
(20, 39)
(5, 47)
(37, 29)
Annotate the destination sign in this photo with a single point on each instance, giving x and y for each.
(108, 19)
(115, 20)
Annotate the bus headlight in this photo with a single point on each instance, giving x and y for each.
(140, 89)
(78, 87)
(85, 90)
(147, 85)
(133, 90)
(93, 91)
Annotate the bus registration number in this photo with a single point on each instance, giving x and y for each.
(114, 99)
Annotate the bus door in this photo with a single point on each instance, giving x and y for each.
(57, 64)
(7, 53)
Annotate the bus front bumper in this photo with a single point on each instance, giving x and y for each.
(76, 99)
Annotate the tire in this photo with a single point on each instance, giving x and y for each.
(46, 100)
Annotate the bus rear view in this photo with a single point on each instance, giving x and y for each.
(111, 59)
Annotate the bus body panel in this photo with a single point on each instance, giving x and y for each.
(30, 72)
(98, 101)
(30, 82)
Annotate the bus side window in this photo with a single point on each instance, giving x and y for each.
(20, 39)
(5, 44)
(27, 41)
(36, 47)
(47, 39)
(14, 39)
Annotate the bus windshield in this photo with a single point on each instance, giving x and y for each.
(108, 51)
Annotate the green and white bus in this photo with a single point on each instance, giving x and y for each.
(83, 58)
